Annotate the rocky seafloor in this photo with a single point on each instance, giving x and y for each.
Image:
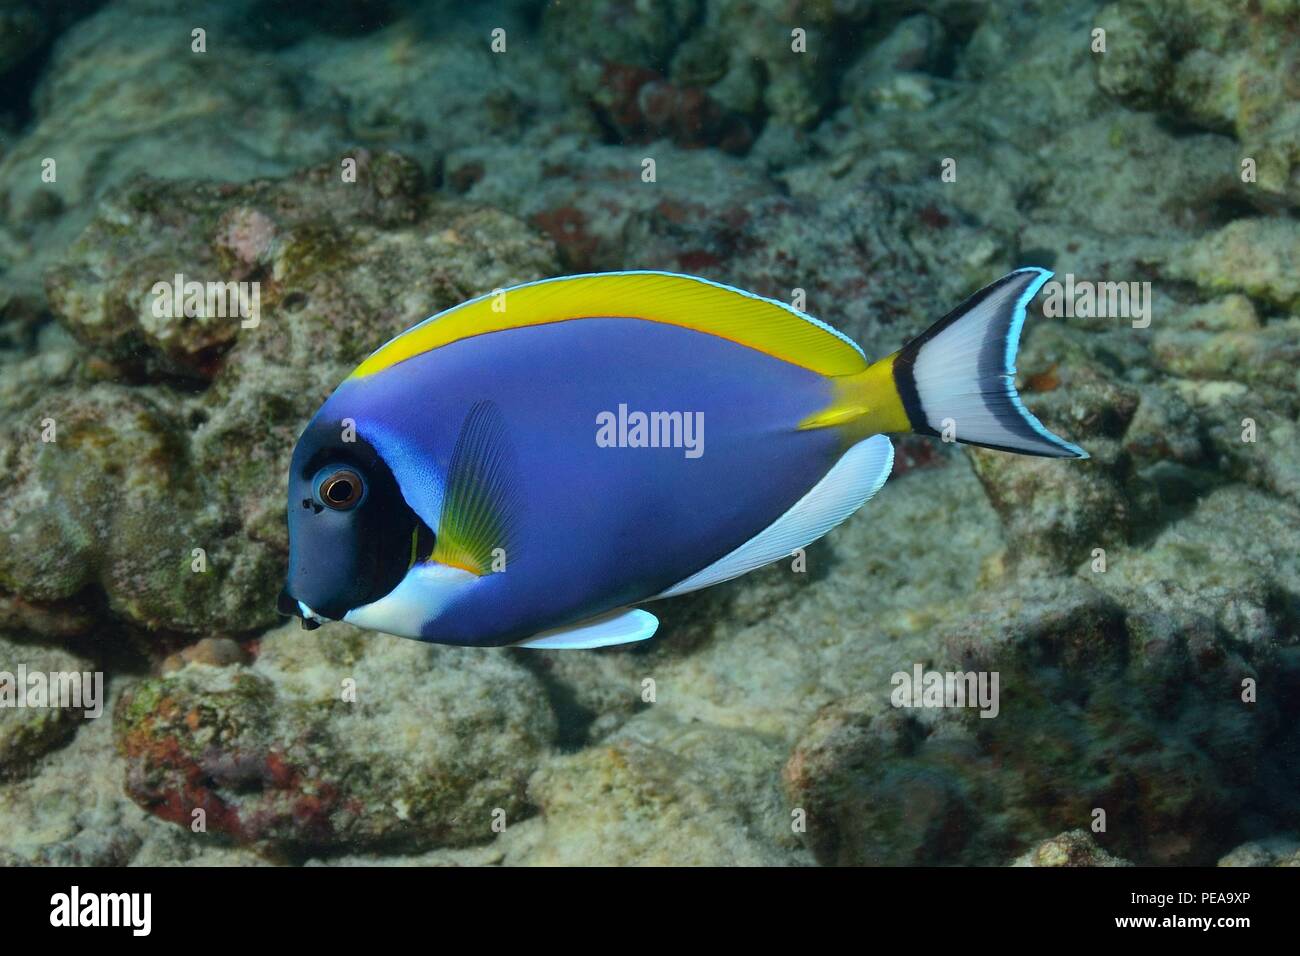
(757, 727)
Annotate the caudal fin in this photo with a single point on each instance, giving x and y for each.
(959, 375)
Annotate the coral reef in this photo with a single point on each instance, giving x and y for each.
(28, 733)
(137, 477)
(1076, 848)
(1141, 609)
(333, 740)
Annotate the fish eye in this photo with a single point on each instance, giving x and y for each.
(340, 489)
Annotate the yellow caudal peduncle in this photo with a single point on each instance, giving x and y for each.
(865, 403)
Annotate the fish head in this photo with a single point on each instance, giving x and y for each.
(351, 532)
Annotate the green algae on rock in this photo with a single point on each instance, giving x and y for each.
(1220, 65)
(1259, 257)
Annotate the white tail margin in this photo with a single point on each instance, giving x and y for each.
(959, 375)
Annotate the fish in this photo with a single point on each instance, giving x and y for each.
(532, 466)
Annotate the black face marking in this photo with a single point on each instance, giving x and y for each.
(350, 541)
(425, 542)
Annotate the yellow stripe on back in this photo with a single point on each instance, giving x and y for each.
(758, 323)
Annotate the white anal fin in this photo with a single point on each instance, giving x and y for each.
(843, 490)
(617, 627)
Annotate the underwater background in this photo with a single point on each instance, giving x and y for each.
(881, 159)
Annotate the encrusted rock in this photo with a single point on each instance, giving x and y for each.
(338, 739)
(31, 726)
(168, 498)
(664, 793)
(1075, 848)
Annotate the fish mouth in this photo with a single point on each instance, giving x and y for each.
(289, 606)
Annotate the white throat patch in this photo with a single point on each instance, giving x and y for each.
(420, 598)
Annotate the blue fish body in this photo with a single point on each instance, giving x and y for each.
(604, 526)
(503, 490)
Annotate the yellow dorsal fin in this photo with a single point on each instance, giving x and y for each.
(761, 324)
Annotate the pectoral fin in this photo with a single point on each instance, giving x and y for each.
(480, 512)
